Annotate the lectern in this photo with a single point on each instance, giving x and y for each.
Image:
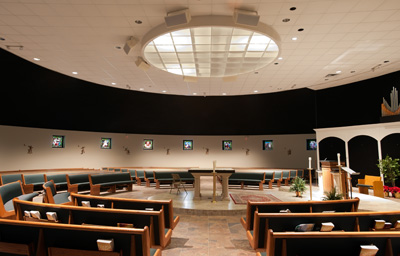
(331, 178)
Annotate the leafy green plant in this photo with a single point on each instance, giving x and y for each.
(298, 185)
(389, 167)
(332, 195)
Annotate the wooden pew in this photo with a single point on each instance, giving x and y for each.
(160, 237)
(132, 204)
(328, 243)
(109, 181)
(349, 205)
(286, 222)
(55, 239)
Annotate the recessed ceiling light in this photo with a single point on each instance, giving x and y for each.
(118, 47)
(338, 72)
(300, 29)
(113, 83)
(164, 91)
(286, 20)
(194, 93)
(37, 59)
(292, 8)
(276, 63)
(138, 22)
(75, 73)
(224, 93)
(255, 91)
(294, 38)
(141, 89)
(280, 58)
(386, 61)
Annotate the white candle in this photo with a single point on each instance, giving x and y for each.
(309, 163)
(338, 158)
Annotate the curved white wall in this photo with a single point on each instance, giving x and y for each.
(14, 142)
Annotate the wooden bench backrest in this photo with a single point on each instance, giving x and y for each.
(98, 216)
(328, 243)
(42, 235)
(369, 180)
(131, 204)
(300, 206)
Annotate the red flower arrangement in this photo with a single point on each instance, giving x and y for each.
(392, 190)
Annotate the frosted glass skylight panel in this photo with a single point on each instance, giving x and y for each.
(182, 40)
(210, 51)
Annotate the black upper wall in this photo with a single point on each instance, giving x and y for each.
(354, 104)
(32, 96)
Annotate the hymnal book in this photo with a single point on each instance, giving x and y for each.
(368, 250)
(387, 225)
(52, 216)
(105, 245)
(304, 227)
(100, 205)
(379, 224)
(125, 225)
(397, 224)
(86, 203)
(27, 214)
(326, 226)
(35, 214)
(285, 211)
(149, 209)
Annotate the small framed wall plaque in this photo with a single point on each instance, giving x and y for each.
(105, 143)
(147, 144)
(226, 145)
(188, 145)
(311, 144)
(58, 141)
(268, 145)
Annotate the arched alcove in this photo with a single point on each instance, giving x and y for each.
(329, 147)
(363, 156)
(390, 145)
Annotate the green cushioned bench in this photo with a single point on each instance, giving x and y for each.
(60, 180)
(139, 176)
(78, 182)
(7, 193)
(269, 178)
(247, 178)
(148, 177)
(165, 177)
(33, 182)
(8, 178)
(109, 181)
(52, 197)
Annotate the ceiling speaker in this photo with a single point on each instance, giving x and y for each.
(244, 17)
(177, 18)
(229, 78)
(190, 79)
(142, 64)
(130, 44)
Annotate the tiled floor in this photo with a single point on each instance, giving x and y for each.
(207, 228)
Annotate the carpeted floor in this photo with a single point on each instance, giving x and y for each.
(243, 198)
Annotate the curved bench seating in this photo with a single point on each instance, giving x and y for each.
(33, 182)
(52, 197)
(78, 182)
(8, 178)
(7, 193)
(248, 178)
(109, 181)
(165, 177)
(60, 180)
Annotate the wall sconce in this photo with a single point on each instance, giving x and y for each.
(247, 151)
(82, 150)
(30, 149)
(207, 150)
(127, 151)
(167, 151)
(289, 152)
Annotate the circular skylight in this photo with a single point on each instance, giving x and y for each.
(210, 51)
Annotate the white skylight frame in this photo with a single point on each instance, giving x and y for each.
(214, 49)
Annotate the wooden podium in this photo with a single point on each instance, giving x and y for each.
(331, 178)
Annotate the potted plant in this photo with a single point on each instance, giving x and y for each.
(298, 185)
(395, 191)
(390, 169)
(386, 190)
(332, 195)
